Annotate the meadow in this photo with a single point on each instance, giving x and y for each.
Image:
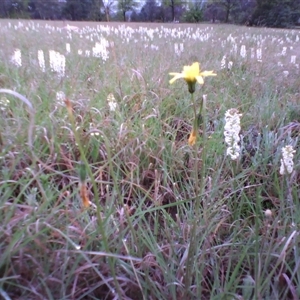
(101, 194)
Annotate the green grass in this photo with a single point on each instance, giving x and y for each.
(167, 221)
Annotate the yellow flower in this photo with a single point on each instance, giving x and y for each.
(193, 137)
(192, 74)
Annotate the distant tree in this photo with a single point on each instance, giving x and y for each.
(95, 13)
(134, 16)
(194, 12)
(107, 7)
(17, 8)
(276, 13)
(4, 8)
(235, 11)
(78, 9)
(175, 6)
(242, 14)
(50, 10)
(172, 4)
(149, 11)
(214, 12)
(227, 7)
(126, 6)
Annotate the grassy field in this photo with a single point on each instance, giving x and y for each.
(101, 195)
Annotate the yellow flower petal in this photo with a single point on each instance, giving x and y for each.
(176, 76)
(192, 74)
(200, 79)
(208, 73)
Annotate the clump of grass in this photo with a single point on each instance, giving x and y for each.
(148, 232)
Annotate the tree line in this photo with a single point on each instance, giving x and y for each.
(271, 13)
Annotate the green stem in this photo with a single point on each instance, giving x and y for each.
(203, 154)
(194, 106)
(192, 245)
(196, 164)
(198, 192)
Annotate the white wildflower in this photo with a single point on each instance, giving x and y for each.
(17, 58)
(223, 62)
(287, 164)
(243, 52)
(231, 133)
(112, 103)
(57, 62)
(41, 59)
(259, 54)
(229, 65)
(101, 49)
(285, 73)
(181, 47)
(293, 59)
(68, 48)
(93, 133)
(176, 49)
(4, 103)
(252, 53)
(233, 152)
(60, 97)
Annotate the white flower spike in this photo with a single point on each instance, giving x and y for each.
(231, 133)
(287, 164)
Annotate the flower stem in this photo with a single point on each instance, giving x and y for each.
(203, 155)
(196, 164)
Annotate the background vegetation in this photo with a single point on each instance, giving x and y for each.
(271, 13)
(160, 226)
